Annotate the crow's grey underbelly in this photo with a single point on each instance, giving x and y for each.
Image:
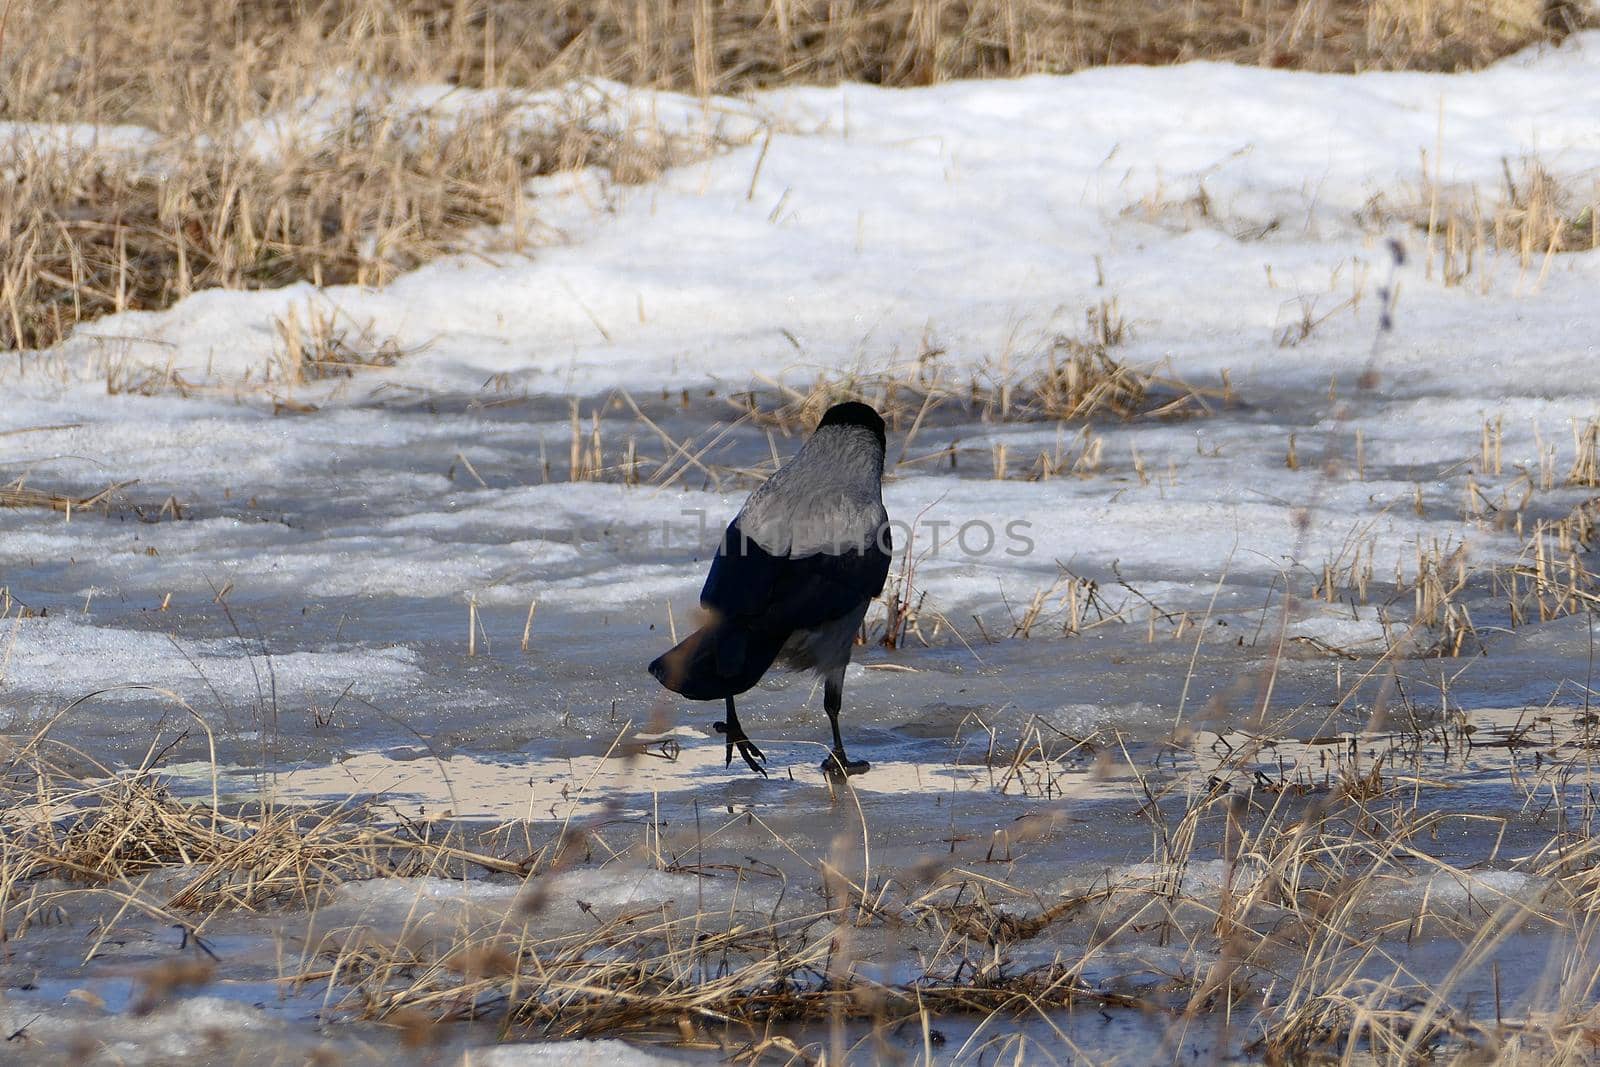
(824, 649)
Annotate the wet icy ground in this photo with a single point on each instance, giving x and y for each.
(303, 577)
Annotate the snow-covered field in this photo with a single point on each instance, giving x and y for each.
(335, 576)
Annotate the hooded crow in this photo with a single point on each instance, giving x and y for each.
(792, 579)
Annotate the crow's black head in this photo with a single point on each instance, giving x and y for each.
(853, 413)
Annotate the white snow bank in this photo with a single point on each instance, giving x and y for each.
(1337, 630)
(1193, 879)
(608, 886)
(575, 1053)
(1483, 889)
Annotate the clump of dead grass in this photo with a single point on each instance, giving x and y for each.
(1585, 472)
(1541, 215)
(95, 231)
(1441, 576)
(1534, 216)
(1069, 377)
(1551, 578)
(323, 346)
(1074, 601)
(112, 831)
(1081, 379)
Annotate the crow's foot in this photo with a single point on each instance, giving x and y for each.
(838, 765)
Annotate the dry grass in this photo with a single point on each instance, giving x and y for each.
(1441, 576)
(1585, 471)
(96, 231)
(1073, 600)
(1551, 578)
(1066, 378)
(110, 829)
(328, 345)
(19, 494)
(1534, 216)
(219, 191)
(128, 50)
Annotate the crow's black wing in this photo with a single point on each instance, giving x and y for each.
(742, 576)
(781, 593)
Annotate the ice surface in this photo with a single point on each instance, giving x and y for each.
(312, 596)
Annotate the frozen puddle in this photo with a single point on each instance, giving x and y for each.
(539, 790)
(1486, 749)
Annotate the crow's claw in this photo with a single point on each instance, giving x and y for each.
(747, 748)
(750, 753)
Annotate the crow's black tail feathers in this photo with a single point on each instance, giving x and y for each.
(721, 659)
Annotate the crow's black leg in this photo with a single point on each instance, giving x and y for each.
(838, 765)
(734, 733)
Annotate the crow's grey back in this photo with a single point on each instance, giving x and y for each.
(827, 499)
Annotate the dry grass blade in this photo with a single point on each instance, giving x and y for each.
(18, 494)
